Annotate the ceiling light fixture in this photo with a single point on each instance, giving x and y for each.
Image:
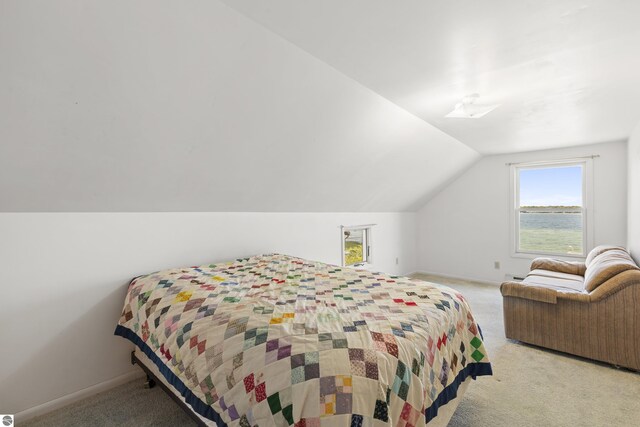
(469, 108)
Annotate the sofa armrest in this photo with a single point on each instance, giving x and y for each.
(534, 293)
(560, 266)
(617, 283)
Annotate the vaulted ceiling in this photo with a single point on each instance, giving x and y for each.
(288, 105)
(174, 106)
(565, 72)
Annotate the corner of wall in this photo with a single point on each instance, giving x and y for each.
(633, 194)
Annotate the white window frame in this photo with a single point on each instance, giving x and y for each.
(367, 244)
(587, 206)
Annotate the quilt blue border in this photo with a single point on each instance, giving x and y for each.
(450, 392)
(198, 405)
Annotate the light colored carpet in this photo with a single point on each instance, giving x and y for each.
(530, 386)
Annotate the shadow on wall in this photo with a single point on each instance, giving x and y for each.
(79, 355)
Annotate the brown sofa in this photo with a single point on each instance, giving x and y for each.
(589, 309)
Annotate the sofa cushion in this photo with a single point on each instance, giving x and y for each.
(552, 264)
(562, 282)
(600, 250)
(606, 266)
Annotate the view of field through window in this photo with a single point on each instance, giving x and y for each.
(354, 247)
(550, 215)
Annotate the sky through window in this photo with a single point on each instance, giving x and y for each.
(551, 186)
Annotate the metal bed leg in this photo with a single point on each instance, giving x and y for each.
(150, 383)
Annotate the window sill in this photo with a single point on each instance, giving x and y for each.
(533, 255)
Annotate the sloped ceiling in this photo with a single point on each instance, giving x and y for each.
(564, 71)
(174, 106)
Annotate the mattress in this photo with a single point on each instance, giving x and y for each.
(279, 340)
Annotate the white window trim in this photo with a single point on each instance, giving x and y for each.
(368, 229)
(587, 208)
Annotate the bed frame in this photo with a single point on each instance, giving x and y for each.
(154, 377)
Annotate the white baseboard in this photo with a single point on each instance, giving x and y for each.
(60, 402)
(450, 276)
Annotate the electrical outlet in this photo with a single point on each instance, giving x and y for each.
(496, 265)
(397, 261)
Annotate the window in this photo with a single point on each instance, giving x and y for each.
(550, 208)
(356, 245)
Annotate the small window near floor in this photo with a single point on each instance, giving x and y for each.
(550, 208)
(356, 245)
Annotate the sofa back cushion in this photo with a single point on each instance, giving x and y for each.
(600, 250)
(560, 266)
(605, 266)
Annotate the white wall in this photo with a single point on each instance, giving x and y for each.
(147, 106)
(633, 234)
(464, 229)
(64, 277)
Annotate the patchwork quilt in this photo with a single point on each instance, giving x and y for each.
(278, 340)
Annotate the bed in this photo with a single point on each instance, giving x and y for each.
(275, 340)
